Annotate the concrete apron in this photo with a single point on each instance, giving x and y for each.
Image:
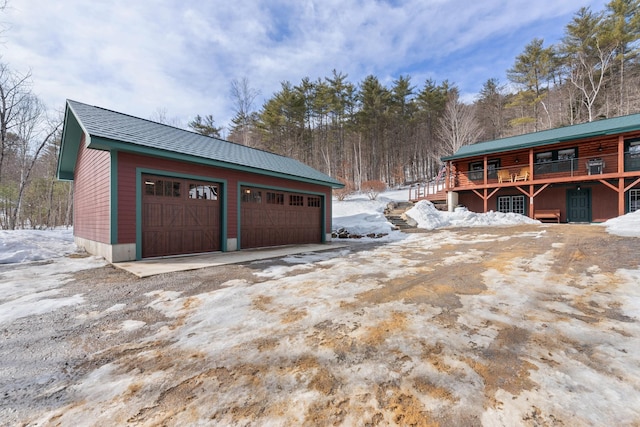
(153, 266)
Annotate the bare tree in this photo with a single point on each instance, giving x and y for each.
(243, 96)
(590, 50)
(14, 89)
(34, 133)
(457, 126)
(160, 115)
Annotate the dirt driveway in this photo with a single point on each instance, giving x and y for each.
(528, 325)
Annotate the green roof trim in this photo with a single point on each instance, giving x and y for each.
(71, 137)
(109, 130)
(613, 126)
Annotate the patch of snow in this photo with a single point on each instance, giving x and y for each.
(132, 325)
(428, 217)
(35, 245)
(626, 225)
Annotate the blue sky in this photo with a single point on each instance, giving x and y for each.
(140, 56)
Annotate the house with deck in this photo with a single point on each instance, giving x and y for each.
(588, 172)
(144, 189)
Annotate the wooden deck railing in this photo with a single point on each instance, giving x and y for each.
(434, 190)
(579, 167)
(564, 170)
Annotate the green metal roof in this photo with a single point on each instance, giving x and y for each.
(603, 127)
(109, 130)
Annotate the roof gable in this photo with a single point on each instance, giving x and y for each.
(603, 127)
(107, 130)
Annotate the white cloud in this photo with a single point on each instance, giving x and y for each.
(136, 57)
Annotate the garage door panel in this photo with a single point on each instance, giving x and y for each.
(173, 216)
(153, 213)
(153, 239)
(179, 216)
(288, 218)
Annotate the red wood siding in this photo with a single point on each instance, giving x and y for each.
(471, 201)
(127, 164)
(604, 203)
(553, 198)
(91, 211)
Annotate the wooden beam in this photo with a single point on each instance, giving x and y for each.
(495, 190)
(621, 196)
(628, 187)
(526, 193)
(611, 186)
(540, 190)
(532, 208)
(486, 205)
(531, 163)
(477, 193)
(620, 154)
(486, 173)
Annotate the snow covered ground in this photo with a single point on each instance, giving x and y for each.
(308, 294)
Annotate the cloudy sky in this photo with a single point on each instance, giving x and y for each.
(180, 56)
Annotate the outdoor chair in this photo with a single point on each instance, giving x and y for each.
(504, 175)
(523, 175)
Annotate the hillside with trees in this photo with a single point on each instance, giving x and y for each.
(365, 131)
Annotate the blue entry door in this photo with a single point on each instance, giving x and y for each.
(579, 205)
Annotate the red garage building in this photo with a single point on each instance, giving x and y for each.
(144, 189)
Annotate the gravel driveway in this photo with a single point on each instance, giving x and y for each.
(532, 325)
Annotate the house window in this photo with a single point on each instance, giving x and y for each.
(564, 160)
(295, 200)
(275, 198)
(634, 200)
(251, 196)
(476, 170)
(313, 202)
(544, 157)
(515, 204)
(205, 192)
(634, 149)
(632, 155)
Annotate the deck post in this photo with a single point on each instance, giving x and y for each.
(486, 175)
(621, 197)
(485, 198)
(621, 180)
(531, 196)
(452, 201)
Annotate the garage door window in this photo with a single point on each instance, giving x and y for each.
(161, 187)
(251, 196)
(295, 200)
(313, 202)
(204, 192)
(275, 198)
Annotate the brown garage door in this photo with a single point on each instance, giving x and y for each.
(274, 218)
(179, 216)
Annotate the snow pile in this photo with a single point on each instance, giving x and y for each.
(35, 245)
(361, 216)
(625, 225)
(425, 214)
